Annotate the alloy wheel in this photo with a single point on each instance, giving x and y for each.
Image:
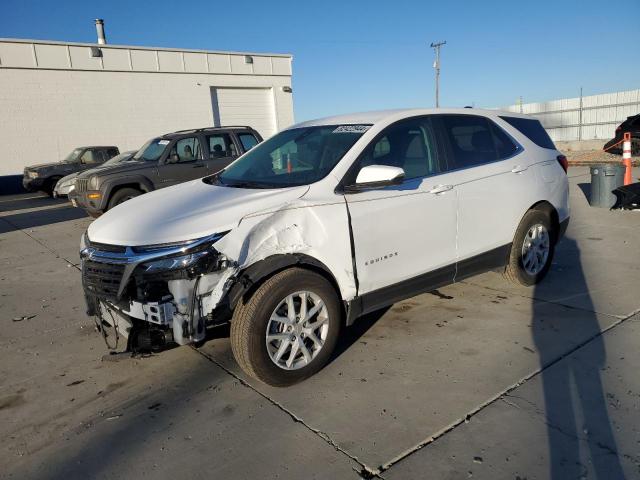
(297, 330)
(535, 249)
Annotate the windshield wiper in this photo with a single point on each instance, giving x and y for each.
(248, 184)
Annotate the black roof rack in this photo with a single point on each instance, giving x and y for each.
(209, 128)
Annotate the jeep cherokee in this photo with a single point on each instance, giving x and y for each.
(161, 162)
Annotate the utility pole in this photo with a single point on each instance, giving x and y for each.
(580, 117)
(436, 46)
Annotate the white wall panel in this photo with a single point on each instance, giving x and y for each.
(600, 114)
(122, 98)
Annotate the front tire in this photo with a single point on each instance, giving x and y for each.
(532, 249)
(287, 330)
(122, 196)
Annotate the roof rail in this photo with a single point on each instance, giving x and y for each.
(211, 128)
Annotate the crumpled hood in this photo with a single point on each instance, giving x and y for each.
(184, 212)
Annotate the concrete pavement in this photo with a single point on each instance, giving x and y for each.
(479, 379)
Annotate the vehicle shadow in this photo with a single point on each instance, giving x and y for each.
(33, 200)
(352, 334)
(575, 407)
(39, 218)
(586, 190)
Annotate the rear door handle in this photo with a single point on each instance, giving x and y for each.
(440, 189)
(198, 166)
(518, 169)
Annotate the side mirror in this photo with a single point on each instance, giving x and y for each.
(173, 158)
(378, 176)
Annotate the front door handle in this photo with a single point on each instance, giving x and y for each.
(198, 166)
(440, 189)
(518, 169)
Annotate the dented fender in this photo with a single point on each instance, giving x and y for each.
(299, 232)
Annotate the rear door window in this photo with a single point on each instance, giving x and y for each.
(248, 140)
(474, 140)
(221, 146)
(470, 140)
(505, 146)
(532, 129)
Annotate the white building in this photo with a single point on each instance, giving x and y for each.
(55, 96)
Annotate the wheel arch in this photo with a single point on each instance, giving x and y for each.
(542, 206)
(549, 209)
(250, 278)
(139, 183)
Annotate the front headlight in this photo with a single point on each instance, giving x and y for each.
(33, 174)
(193, 258)
(173, 263)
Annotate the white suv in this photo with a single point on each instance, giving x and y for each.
(326, 221)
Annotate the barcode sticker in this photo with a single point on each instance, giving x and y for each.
(352, 129)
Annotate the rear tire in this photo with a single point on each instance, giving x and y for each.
(532, 249)
(265, 316)
(122, 196)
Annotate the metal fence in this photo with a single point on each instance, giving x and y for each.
(585, 117)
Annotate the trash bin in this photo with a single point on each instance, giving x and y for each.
(604, 179)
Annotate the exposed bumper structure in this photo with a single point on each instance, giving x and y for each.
(165, 291)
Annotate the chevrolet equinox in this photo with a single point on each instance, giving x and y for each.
(322, 223)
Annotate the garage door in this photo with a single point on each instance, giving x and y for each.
(244, 106)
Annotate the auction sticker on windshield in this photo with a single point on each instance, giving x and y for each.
(352, 129)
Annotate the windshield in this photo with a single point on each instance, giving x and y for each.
(123, 157)
(73, 156)
(152, 150)
(299, 156)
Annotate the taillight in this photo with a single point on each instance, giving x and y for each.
(564, 163)
(619, 128)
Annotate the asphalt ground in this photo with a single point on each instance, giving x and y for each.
(479, 379)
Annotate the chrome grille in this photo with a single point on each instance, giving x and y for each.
(102, 279)
(82, 184)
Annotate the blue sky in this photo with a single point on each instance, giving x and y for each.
(365, 55)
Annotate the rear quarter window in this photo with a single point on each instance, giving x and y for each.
(532, 129)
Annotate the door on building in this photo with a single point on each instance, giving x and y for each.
(253, 107)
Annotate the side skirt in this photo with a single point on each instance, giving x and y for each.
(383, 297)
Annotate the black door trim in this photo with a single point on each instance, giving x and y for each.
(383, 297)
(484, 262)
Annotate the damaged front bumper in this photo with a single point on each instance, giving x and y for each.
(155, 295)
